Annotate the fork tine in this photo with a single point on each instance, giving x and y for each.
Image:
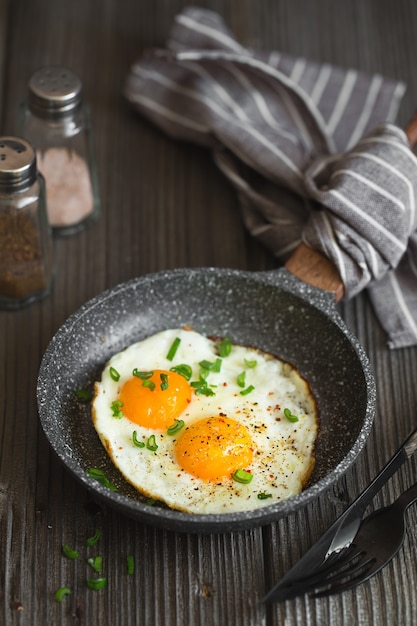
(365, 568)
(329, 565)
(334, 561)
(334, 564)
(355, 567)
(312, 581)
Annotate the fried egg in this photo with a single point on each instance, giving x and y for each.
(204, 425)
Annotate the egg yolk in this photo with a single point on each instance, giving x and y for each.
(214, 447)
(158, 404)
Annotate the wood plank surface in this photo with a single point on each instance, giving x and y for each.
(165, 205)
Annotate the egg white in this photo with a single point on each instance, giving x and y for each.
(283, 451)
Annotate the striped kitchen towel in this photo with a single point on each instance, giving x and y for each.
(311, 149)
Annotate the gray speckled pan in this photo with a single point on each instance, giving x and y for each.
(270, 310)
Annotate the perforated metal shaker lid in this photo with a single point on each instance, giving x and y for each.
(54, 91)
(17, 164)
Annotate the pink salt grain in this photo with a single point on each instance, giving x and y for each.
(69, 194)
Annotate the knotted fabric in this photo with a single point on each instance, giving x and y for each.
(311, 149)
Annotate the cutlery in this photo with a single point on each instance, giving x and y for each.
(378, 540)
(340, 535)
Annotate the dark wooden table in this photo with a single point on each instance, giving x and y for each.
(165, 205)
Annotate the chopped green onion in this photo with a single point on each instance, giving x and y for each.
(211, 366)
(207, 365)
(130, 564)
(164, 381)
(61, 592)
(91, 541)
(138, 444)
(241, 379)
(142, 375)
(264, 496)
(96, 562)
(175, 427)
(204, 391)
(250, 364)
(183, 369)
(173, 349)
(150, 501)
(201, 388)
(116, 407)
(145, 377)
(114, 374)
(245, 392)
(69, 553)
(225, 347)
(203, 374)
(100, 476)
(96, 583)
(151, 443)
(290, 417)
(217, 365)
(83, 395)
(242, 476)
(149, 384)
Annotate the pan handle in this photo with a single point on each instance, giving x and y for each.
(314, 268)
(411, 132)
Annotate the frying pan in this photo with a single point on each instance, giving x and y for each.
(272, 310)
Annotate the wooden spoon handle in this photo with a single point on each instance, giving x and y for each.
(314, 268)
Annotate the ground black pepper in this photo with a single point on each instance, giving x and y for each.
(22, 270)
(26, 263)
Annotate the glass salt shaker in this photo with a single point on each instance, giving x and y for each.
(57, 123)
(26, 263)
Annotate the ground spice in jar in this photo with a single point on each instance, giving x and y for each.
(69, 192)
(26, 257)
(22, 270)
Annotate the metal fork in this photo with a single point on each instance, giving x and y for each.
(378, 540)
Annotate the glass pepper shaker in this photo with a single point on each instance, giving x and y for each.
(57, 123)
(26, 265)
